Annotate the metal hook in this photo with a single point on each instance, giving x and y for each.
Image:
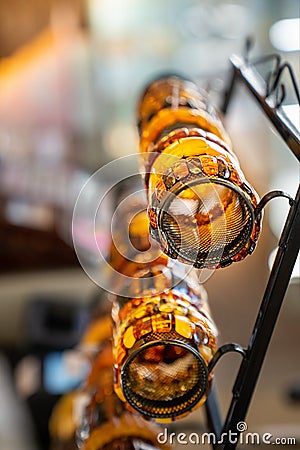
(278, 75)
(249, 44)
(280, 95)
(269, 196)
(272, 75)
(226, 348)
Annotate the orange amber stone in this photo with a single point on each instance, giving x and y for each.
(202, 212)
(162, 349)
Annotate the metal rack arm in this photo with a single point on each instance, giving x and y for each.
(269, 97)
(266, 320)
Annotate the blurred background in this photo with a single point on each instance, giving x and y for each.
(71, 72)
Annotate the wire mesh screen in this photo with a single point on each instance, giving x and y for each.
(165, 377)
(206, 224)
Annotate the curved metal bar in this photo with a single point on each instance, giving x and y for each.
(273, 72)
(280, 95)
(261, 90)
(288, 248)
(267, 58)
(269, 196)
(226, 348)
(277, 77)
(249, 44)
(273, 78)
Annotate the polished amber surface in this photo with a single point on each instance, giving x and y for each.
(127, 260)
(180, 341)
(105, 421)
(171, 102)
(201, 208)
(125, 431)
(98, 372)
(65, 419)
(130, 443)
(62, 424)
(99, 330)
(201, 202)
(69, 444)
(162, 306)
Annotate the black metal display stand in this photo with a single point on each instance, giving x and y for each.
(270, 95)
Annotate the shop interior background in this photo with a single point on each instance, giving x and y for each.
(71, 73)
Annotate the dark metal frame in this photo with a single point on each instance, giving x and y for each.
(270, 95)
